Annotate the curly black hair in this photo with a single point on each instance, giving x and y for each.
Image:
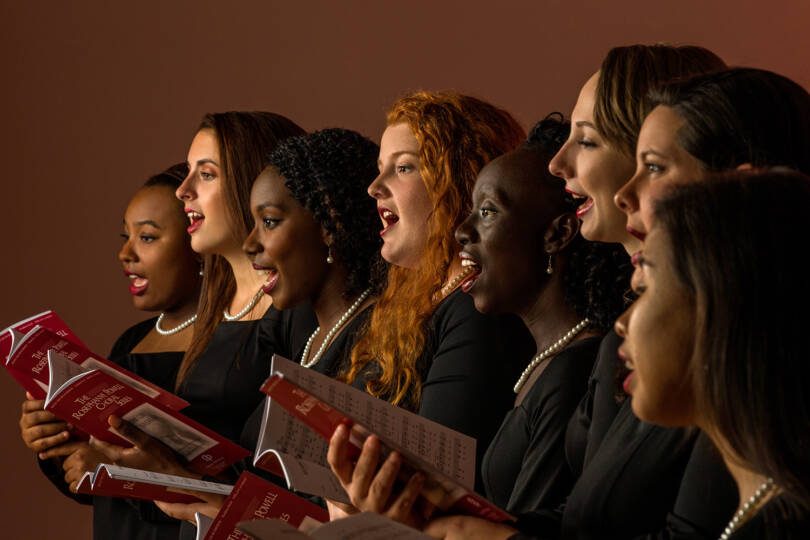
(328, 173)
(597, 276)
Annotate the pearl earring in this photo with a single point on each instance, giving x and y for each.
(329, 259)
(201, 269)
(549, 269)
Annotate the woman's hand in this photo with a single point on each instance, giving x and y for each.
(467, 528)
(371, 489)
(146, 453)
(81, 458)
(40, 429)
(209, 507)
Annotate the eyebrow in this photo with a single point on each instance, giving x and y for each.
(269, 205)
(585, 123)
(646, 153)
(206, 161)
(148, 222)
(401, 152)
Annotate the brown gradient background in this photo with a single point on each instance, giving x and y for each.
(98, 95)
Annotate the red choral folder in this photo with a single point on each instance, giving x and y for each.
(46, 319)
(441, 490)
(254, 498)
(88, 399)
(28, 363)
(127, 483)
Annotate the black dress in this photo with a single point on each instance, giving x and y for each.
(223, 390)
(288, 339)
(124, 518)
(469, 365)
(637, 480)
(524, 467)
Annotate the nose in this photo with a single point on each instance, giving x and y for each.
(127, 253)
(251, 245)
(185, 192)
(559, 164)
(627, 196)
(620, 325)
(377, 188)
(466, 233)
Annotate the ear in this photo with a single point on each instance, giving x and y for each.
(327, 237)
(561, 232)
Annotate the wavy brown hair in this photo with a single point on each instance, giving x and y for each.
(457, 136)
(244, 139)
(628, 73)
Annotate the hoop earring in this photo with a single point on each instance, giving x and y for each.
(329, 259)
(549, 268)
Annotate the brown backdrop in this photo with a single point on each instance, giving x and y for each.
(98, 95)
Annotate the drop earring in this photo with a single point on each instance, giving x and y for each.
(549, 268)
(329, 259)
(202, 265)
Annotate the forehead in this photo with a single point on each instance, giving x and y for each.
(398, 138)
(269, 188)
(520, 177)
(583, 110)
(660, 128)
(203, 146)
(155, 203)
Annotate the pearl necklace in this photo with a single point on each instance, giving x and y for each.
(345, 317)
(461, 276)
(231, 318)
(738, 520)
(174, 330)
(557, 346)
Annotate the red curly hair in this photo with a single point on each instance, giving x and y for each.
(457, 136)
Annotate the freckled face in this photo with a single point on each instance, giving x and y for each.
(661, 162)
(658, 331)
(202, 192)
(156, 255)
(286, 244)
(593, 170)
(403, 201)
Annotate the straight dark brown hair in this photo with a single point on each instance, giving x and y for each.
(244, 139)
(733, 239)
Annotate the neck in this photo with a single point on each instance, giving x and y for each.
(329, 305)
(248, 283)
(179, 314)
(549, 317)
(747, 480)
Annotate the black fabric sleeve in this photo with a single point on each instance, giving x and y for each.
(472, 370)
(706, 500)
(545, 478)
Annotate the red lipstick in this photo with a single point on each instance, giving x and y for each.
(585, 207)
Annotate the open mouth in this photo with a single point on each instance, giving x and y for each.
(585, 206)
(137, 284)
(627, 383)
(196, 219)
(270, 276)
(472, 268)
(388, 217)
